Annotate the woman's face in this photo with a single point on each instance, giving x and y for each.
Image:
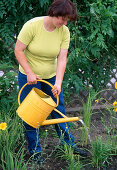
(60, 21)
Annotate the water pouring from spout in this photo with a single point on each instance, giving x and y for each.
(85, 129)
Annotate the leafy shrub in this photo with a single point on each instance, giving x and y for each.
(13, 14)
(8, 87)
(101, 153)
(92, 53)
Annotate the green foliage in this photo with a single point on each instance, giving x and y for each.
(93, 47)
(12, 136)
(87, 113)
(8, 87)
(13, 14)
(12, 141)
(101, 153)
(11, 161)
(110, 129)
(66, 152)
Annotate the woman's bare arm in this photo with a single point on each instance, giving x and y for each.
(61, 66)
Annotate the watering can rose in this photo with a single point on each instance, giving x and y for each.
(3, 126)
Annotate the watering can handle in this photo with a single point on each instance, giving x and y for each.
(41, 81)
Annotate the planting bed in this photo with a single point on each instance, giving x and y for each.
(52, 162)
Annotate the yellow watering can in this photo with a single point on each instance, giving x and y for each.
(37, 106)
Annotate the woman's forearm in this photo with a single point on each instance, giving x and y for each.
(61, 66)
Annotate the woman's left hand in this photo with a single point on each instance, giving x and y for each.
(56, 90)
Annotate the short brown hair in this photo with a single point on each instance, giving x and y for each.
(63, 8)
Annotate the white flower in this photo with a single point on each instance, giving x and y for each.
(1, 73)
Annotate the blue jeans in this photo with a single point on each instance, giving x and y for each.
(62, 129)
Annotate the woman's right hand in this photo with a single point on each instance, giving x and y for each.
(32, 78)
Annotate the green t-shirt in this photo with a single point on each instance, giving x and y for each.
(42, 46)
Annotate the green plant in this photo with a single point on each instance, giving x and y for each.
(66, 152)
(13, 161)
(101, 152)
(75, 164)
(8, 87)
(13, 136)
(110, 129)
(87, 113)
(12, 141)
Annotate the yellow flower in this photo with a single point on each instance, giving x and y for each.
(46, 130)
(115, 110)
(3, 126)
(115, 103)
(115, 85)
(96, 101)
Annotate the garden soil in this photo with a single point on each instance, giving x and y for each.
(52, 160)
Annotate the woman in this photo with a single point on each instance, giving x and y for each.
(41, 50)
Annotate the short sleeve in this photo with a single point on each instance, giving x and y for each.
(27, 33)
(65, 39)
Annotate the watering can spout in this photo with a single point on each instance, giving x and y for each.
(59, 120)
